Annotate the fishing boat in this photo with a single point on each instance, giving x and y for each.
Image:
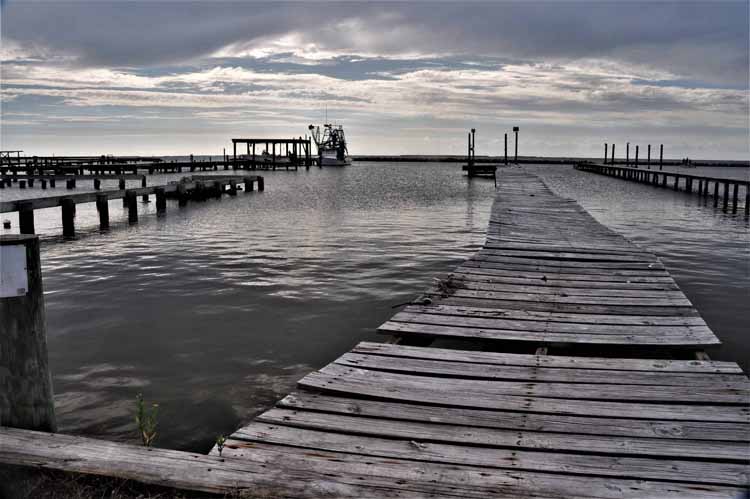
(331, 144)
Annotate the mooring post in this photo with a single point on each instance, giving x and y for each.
(161, 199)
(68, 206)
(26, 217)
(747, 200)
(97, 184)
(249, 184)
(261, 186)
(102, 206)
(735, 194)
(648, 160)
(121, 184)
(22, 184)
(130, 201)
(52, 183)
(232, 187)
(515, 131)
(613, 154)
(627, 154)
(661, 156)
(43, 183)
(506, 149)
(181, 195)
(27, 400)
(726, 195)
(636, 156)
(217, 189)
(605, 153)
(143, 184)
(31, 182)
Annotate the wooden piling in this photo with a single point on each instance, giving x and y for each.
(232, 187)
(735, 195)
(130, 200)
(102, 206)
(161, 199)
(249, 184)
(636, 156)
(31, 182)
(627, 154)
(747, 200)
(181, 195)
(605, 153)
(648, 160)
(97, 184)
(26, 217)
(27, 399)
(43, 183)
(261, 186)
(726, 195)
(52, 183)
(716, 193)
(661, 156)
(506, 149)
(121, 184)
(70, 183)
(613, 154)
(68, 216)
(22, 184)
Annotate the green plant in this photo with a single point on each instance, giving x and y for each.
(146, 420)
(220, 441)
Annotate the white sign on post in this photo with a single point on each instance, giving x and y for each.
(14, 278)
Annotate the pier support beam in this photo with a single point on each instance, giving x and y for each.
(102, 206)
(26, 383)
(726, 195)
(26, 217)
(130, 201)
(716, 193)
(161, 200)
(261, 186)
(68, 217)
(735, 194)
(97, 184)
(143, 184)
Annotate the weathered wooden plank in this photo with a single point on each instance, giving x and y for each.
(402, 328)
(500, 272)
(646, 301)
(441, 391)
(544, 326)
(418, 442)
(698, 367)
(716, 394)
(541, 374)
(510, 420)
(545, 288)
(554, 267)
(554, 282)
(532, 315)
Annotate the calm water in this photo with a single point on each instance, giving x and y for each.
(215, 310)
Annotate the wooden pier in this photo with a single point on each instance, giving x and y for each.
(196, 187)
(514, 419)
(292, 153)
(722, 190)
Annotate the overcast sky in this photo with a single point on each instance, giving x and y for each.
(136, 77)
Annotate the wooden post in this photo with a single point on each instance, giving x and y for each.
(661, 156)
(515, 131)
(22, 184)
(613, 154)
(130, 201)
(121, 184)
(735, 194)
(68, 216)
(217, 189)
(716, 193)
(249, 184)
(181, 195)
(143, 184)
(627, 154)
(26, 217)
(676, 182)
(97, 184)
(636, 156)
(506, 149)
(234, 157)
(605, 153)
(726, 195)
(232, 187)
(261, 187)
(26, 383)
(31, 182)
(161, 199)
(747, 200)
(102, 206)
(648, 160)
(52, 183)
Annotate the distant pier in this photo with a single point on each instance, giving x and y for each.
(722, 190)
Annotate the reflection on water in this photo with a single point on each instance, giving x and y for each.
(217, 309)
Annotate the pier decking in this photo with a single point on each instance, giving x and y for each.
(397, 420)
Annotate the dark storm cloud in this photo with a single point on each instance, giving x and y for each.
(702, 40)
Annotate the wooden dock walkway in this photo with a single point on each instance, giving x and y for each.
(398, 420)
